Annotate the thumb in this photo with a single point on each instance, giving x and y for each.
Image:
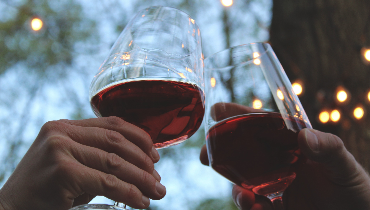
(329, 151)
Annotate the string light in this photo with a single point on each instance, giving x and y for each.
(36, 24)
(227, 3)
(324, 117)
(297, 88)
(342, 96)
(335, 116)
(358, 113)
(367, 54)
(257, 104)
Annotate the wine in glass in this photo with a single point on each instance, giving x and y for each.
(252, 120)
(153, 78)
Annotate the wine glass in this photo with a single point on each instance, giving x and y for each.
(153, 78)
(252, 120)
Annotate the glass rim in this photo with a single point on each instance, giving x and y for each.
(214, 55)
(160, 6)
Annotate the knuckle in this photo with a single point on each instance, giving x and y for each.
(52, 127)
(132, 192)
(336, 142)
(113, 161)
(113, 137)
(109, 182)
(55, 143)
(148, 164)
(115, 121)
(147, 178)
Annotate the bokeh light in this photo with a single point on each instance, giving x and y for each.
(358, 113)
(257, 104)
(227, 3)
(297, 88)
(257, 61)
(342, 96)
(367, 54)
(335, 116)
(324, 117)
(36, 24)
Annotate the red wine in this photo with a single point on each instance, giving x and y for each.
(255, 151)
(169, 111)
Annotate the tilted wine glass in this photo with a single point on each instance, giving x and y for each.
(252, 120)
(153, 78)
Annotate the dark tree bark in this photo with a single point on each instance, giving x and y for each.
(319, 42)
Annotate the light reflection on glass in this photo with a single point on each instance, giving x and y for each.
(280, 94)
(213, 82)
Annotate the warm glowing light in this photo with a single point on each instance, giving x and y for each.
(342, 96)
(213, 82)
(367, 54)
(297, 88)
(182, 46)
(188, 69)
(257, 61)
(130, 43)
(257, 104)
(358, 113)
(143, 16)
(227, 3)
(256, 54)
(36, 24)
(280, 95)
(335, 116)
(182, 75)
(297, 107)
(126, 57)
(368, 96)
(324, 117)
(192, 21)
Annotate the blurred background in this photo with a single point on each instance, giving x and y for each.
(50, 51)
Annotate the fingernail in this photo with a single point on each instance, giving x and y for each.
(146, 201)
(156, 175)
(312, 141)
(238, 198)
(160, 188)
(155, 154)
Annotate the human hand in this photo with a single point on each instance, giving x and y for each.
(330, 179)
(72, 161)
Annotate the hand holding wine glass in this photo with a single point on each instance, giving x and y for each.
(264, 149)
(331, 179)
(72, 161)
(153, 79)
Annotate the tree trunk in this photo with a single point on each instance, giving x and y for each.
(320, 42)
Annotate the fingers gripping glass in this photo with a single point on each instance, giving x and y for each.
(252, 120)
(153, 78)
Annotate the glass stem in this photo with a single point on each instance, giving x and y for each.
(277, 200)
